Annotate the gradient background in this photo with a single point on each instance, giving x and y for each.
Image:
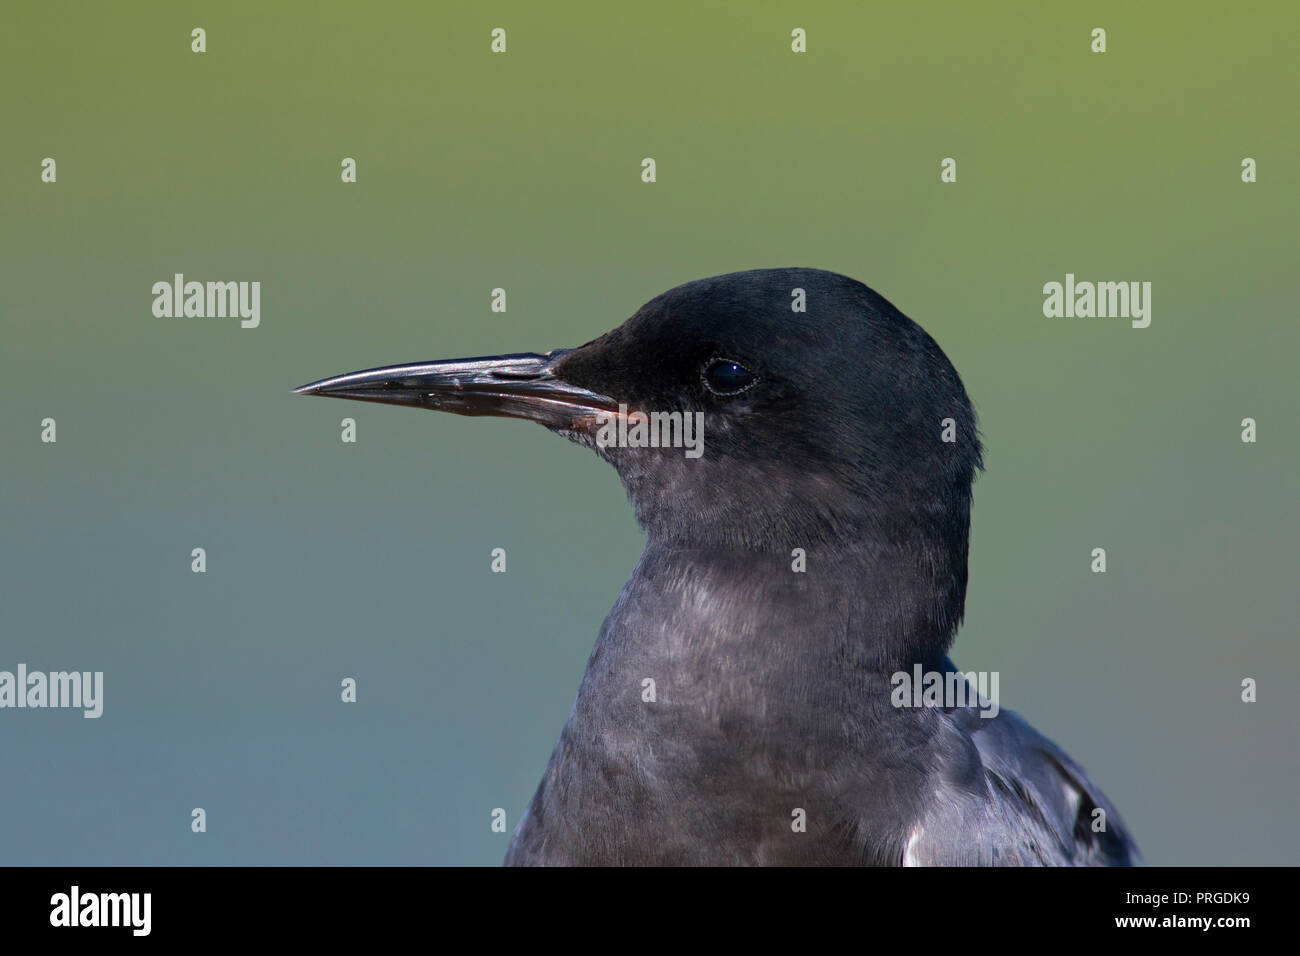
(522, 170)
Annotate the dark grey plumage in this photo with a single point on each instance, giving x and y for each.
(772, 688)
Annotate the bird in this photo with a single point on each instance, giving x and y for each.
(740, 705)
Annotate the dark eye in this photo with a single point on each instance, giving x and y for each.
(727, 377)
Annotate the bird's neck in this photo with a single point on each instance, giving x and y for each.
(890, 605)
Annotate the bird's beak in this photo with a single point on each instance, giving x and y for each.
(507, 386)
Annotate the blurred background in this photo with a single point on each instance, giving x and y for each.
(522, 170)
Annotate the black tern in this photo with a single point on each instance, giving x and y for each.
(742, 703)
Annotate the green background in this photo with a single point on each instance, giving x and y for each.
(522, 171)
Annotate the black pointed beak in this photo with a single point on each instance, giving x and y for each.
(507, 386)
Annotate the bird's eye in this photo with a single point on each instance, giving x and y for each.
(727, 377)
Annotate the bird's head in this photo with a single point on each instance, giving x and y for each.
(824, 415)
